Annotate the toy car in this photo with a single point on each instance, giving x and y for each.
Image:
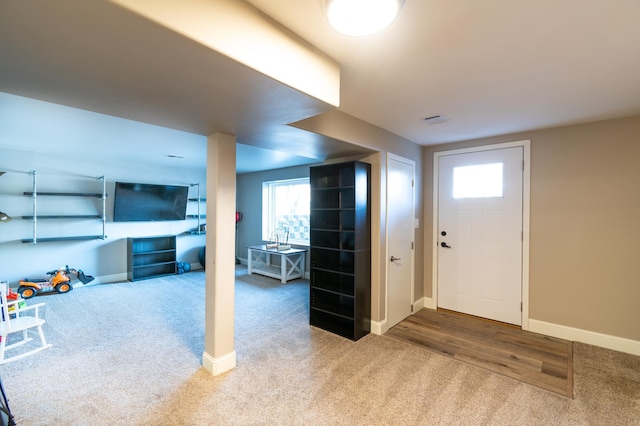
(59, 280)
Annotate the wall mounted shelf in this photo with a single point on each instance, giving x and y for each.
(198, 215)
(66, 194)
(78, 216)
(52, 239)
(35, 194)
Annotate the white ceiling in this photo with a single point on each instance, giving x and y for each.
(492, 67)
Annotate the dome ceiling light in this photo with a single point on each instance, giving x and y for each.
(361, 17)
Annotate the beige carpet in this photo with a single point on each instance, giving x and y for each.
(130, 354)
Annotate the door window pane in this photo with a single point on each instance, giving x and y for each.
(478, 181)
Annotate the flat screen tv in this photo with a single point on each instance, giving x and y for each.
(142, 202)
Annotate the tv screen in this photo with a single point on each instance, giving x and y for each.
(140, 202)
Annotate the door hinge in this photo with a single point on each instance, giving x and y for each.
(412, 183)
(411, 308)
(412, 246)
(523, 165)
(520, 306)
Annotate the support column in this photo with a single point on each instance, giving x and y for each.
(219, 353)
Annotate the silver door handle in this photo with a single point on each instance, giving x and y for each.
(393, 258)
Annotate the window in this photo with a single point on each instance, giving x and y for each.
(286, 209)
(481, 181)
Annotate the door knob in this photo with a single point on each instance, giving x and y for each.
(444, 245)
(393, 258)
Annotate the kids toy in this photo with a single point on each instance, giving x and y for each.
(12, 296)
(183, 267)
(59, 280)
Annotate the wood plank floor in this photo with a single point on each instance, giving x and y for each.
(542, 361)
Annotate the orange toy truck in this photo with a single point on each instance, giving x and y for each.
(59, 280)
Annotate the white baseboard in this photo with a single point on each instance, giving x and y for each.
(219, 365)
(378, 327)
(381, 327)
(619, 344)
(196, 266)
(423, 302)
(118, 278)
(102, 279)
(428, 302)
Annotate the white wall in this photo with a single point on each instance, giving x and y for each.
(67, 172)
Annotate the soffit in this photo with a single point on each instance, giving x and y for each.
(101, 57)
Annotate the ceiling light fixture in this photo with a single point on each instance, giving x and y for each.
(361, 17)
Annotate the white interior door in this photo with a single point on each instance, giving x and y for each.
(480, 211)
(400, 238)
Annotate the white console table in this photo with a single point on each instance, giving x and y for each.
(291, 262)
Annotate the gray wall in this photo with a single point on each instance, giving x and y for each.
(104, 259)
(341, 126)
(584, 224)
(249, 203)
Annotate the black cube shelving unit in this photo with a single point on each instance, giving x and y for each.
(151, 257)
(341, 248)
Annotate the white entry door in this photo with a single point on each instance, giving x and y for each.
(480, 231)
(400, 238)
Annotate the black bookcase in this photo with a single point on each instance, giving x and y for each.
(151, 257)
(341, 248)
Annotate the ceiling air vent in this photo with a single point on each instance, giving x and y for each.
(436, 119)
